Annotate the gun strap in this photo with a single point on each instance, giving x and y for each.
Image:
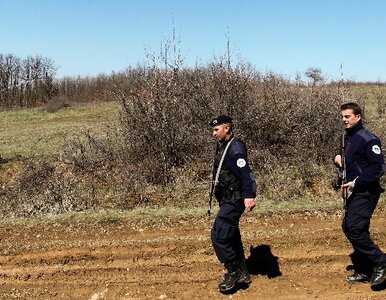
(221, 162)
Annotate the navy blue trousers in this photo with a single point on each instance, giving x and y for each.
(359, 209)
(225, 234)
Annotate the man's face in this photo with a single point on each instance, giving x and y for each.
(220, 132)
(349, 118)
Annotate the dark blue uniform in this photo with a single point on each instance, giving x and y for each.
(364, 164)
(235, 183)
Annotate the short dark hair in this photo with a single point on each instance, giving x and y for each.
(352, 105)
(230, 126)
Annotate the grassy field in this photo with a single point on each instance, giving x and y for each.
(28, 133)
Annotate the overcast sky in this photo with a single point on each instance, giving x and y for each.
(89, 37)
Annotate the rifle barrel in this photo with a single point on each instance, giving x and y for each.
(211, 185)
(344, 174)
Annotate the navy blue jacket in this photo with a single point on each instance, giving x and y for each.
(364, 157)
(236, 161)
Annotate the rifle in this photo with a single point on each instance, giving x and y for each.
(212, 178)
(342, 171)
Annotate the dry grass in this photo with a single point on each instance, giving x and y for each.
(161, 214)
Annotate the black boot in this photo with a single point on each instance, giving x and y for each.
(379, 275)
(357, 278)
(231, 278)
(245, 277)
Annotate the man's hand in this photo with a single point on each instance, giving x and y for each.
(349, 186)
(338, 160)
(249, 203)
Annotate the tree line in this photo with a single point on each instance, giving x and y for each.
(26, 82)
(31, 82)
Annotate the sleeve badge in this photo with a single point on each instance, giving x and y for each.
(376, 149)
(241, 162)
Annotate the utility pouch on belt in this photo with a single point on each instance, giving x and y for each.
(237, 195)
(228, 191)
(228, 183)
(227, 194)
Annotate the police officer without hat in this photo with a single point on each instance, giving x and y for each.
(364, 166)
(235, 191)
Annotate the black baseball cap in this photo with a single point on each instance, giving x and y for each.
(223, 119)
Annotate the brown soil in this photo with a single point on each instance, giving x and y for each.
(175, 260)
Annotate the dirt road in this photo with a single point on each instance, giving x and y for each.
(175, 260)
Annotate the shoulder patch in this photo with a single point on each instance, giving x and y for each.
(241, 162)
(376, 149)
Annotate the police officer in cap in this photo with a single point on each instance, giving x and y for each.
(364, 165)
(235, 191)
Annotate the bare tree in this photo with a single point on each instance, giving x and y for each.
(24, 83)
(315, 74)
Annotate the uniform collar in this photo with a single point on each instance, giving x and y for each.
(352, 130)
(227, 141)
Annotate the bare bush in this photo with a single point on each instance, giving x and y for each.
(40, 188)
